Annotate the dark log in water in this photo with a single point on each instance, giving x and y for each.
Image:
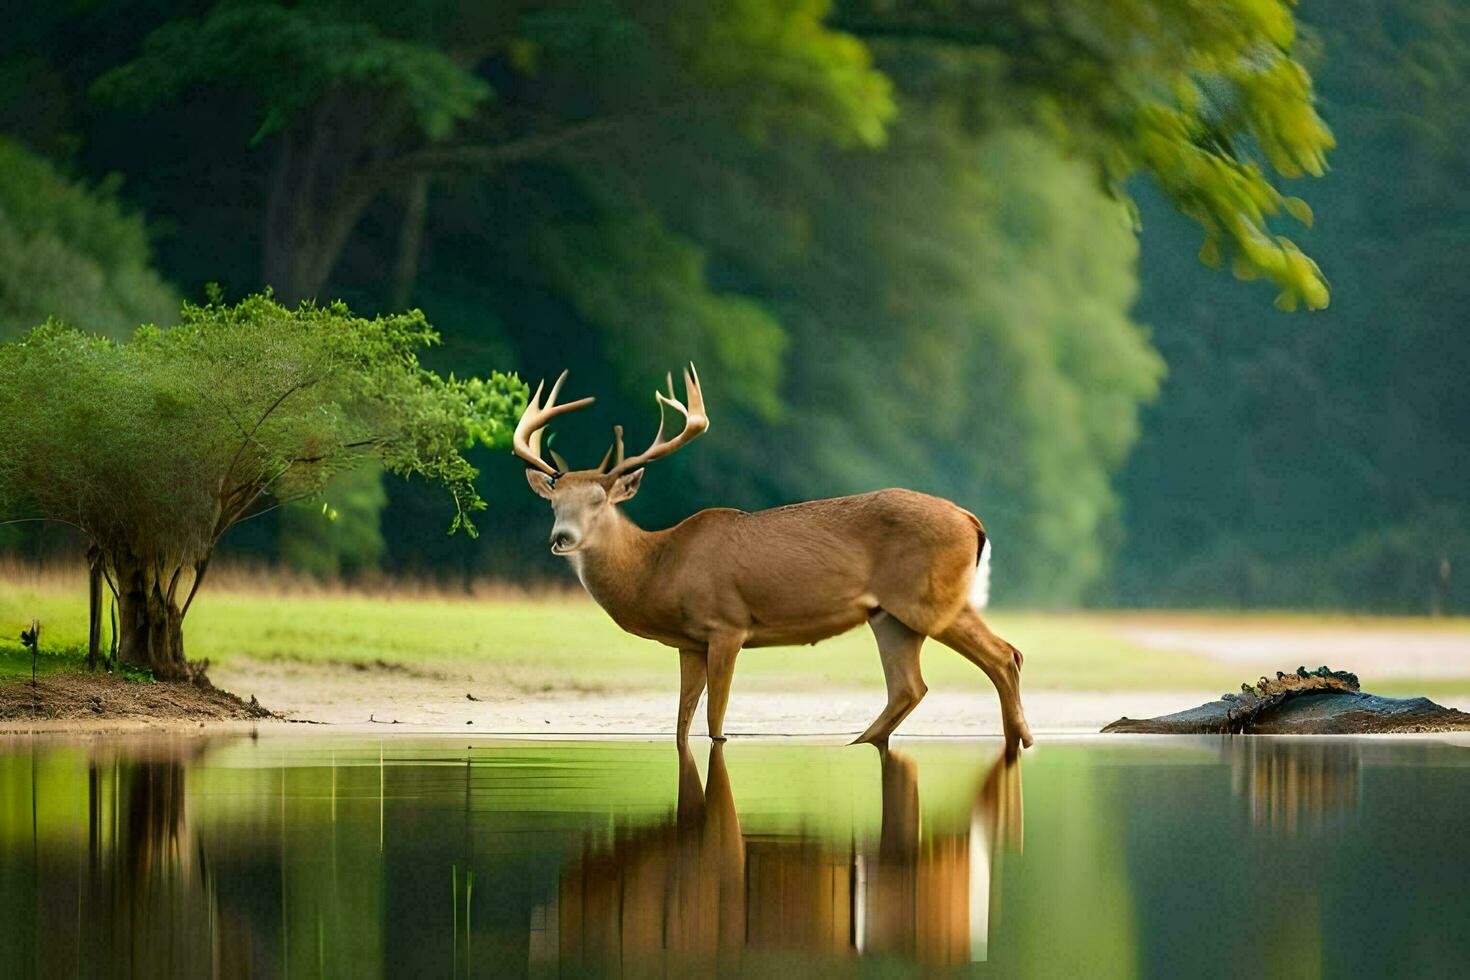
(1320, 702)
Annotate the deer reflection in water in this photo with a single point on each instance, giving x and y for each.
(697, 894)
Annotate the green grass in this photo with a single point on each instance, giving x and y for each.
(569, 643)
(16, 662)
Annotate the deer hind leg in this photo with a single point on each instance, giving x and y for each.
(720, 662)
(898, 646)
(968, 634)
(692, 673)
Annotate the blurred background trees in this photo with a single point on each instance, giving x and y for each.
(898, 239)
(1325, 460)
(71, 252)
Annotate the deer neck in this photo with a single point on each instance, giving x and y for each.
(615, 565)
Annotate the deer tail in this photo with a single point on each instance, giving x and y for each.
(980, 584)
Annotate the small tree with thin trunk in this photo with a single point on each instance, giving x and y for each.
(155, 447)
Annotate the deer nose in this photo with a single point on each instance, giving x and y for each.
(562, 540)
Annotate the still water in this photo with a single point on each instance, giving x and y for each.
(419, 856)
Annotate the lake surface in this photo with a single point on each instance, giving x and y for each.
(434, 856)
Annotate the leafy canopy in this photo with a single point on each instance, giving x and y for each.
(1206, 98)
(288, 58)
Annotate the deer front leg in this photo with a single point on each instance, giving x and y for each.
(691, 685)
(720, 665)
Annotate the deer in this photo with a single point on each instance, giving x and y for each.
(909, 565)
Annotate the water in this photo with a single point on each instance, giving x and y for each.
(415, 856)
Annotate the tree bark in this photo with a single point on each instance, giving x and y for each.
(94, 605)
(150, 625)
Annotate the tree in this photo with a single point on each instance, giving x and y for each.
(155, 447)
(71, 252)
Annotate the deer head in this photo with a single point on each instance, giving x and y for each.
(581, 499)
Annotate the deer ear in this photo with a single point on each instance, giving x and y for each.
(541, 483)
(625, 487)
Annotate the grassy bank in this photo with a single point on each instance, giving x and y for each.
(565, 642)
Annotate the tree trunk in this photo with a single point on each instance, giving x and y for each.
(291, 258)
(150, 625)
(94, 605)
(320, 189)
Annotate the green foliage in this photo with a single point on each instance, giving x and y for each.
(997, 363)
(71, 252)
(289, 58)
(157, 446)
(1202, 97)
(784, 67)
(1415, 566)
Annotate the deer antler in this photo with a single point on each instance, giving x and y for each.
(526, 442)
(614, 454)
(695, 423)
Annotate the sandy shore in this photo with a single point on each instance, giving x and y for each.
(438, 703)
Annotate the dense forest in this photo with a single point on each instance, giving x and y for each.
(986, 249)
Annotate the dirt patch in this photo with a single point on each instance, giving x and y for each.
(107, 697)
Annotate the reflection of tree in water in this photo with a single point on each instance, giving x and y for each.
(1294, 785)
(695, 894)
(138, 896)
(146, 900)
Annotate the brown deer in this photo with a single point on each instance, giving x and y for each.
(722, 580)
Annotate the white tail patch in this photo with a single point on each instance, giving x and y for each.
(980, 584)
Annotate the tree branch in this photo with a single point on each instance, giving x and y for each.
(108, 578)
(263, 510)
(46, 520)
(250, 436)
(449, 159)
(173, 584)
(200, 567)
